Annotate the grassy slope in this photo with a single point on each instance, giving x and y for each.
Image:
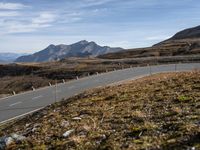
(167, 48)
(162, 111)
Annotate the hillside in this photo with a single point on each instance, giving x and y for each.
(58, 52)
(186, 42)
(157, 112)
(191, 33)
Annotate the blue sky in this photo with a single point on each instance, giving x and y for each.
(30, 25)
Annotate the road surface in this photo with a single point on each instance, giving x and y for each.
(25, 103)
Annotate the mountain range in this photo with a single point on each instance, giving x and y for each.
(58, 52)
(185, 42)
(9, 57)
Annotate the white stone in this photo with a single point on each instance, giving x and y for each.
(9, 141)
(76, 118)
(18, 137)
(67, 133)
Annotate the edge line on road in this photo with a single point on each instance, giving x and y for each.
(5, 121)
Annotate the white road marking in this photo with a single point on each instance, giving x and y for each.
(5, 121)
(14, 104)
(37, 97)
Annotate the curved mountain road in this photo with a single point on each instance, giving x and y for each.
(21, 104)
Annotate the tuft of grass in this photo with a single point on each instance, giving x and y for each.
(183, 98)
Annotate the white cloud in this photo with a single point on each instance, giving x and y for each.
(28, 24)
(74, 14)
(45, 17)
(34, 21)
(91, 3)
(25, 28)
(11, 6)
(9, 13)
(156, 38)
(70, 16)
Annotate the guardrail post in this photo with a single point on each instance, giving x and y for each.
(97, 73)
(77, 78)
(33, 88)
(88, 74)
(14, 93)
(63, 80)
(49, 84)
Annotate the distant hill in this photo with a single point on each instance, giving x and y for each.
(9, 57)
(57, 52)
(186, 42)
(190, 33)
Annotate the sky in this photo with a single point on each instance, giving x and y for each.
(27, 26)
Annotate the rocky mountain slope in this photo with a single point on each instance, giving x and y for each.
(57, 52)
(186, 42)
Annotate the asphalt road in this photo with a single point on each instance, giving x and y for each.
(24, 103)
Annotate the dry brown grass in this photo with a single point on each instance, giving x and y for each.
(157, 112)
(168, 48)
(22, 83)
